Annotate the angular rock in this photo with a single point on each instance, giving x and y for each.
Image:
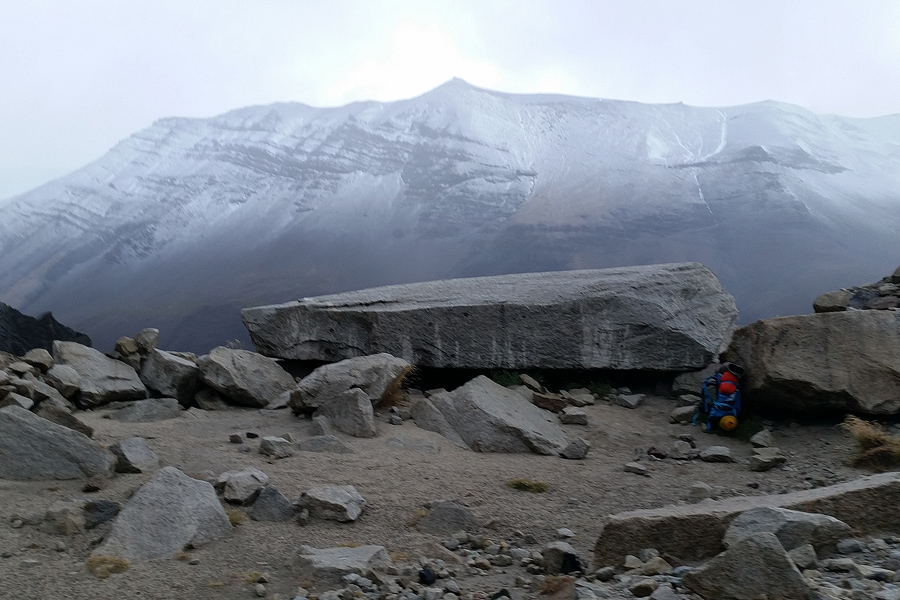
(695, 531)
(531, 383)
(168, 513)
(447, 518)
(835, 301)
(146, 340)
(327, 566)
(65, 517)
(320, 425)
(171, 376)
(765, 459)
(491, 418)
(351, 412)
(145, 411)
(40, 358)
(716, 454)
(682, 414)
(755, 567)
(61, 416)
(375, 375)
(126, 345)
(64, 378)
(573, 416)
(662, 317)
(133, 455)
(14, 399)
(792, 528)
(804, 557)
(333, 502)
(762, 439)
(276, 446)
(242, 485)
(102, 379)
(35, 448)
(636, 468)
(21, 368)
(682, 450)
(271, 505)
(324, 443)
(555, 556)
(630, 400)
(428, 417)
(548, 401)
(576, 450)
(837, 360)
(209, 399)
(246, 378)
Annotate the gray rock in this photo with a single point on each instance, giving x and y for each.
(44, 391)
(630, 400)
(636, 468)
(375, 375)
(146, 340)
(126, 345)
(320, 425)
(324, 443)
(61, 416)
(102, 379)
(21, 368)
(693, 532)
(14, 399)
(276, 446)
(428, 417)
(700, 491)
(682, 450)
(716, 454)
(554, 554)
(209, 399)
(762, 439)
(333, 502)
(133, 455)
(271, 505)
(531, 383)
(40, 358)
(549, 401)
(764, 459)
(69, 517)
(246, 378)
(573, 416)
(804, 557)
(491, 418)
(170, 375)
(682, 414)
(690, 382)
(64, 378)
(34, 448)
(145, 411)
(447, 518)
(838, 360)
(792, 528)
(351, 412)
(577, 449)
(241, 485)
(168, 513)
(566, 319)
(753, 567)
(834, 301)
(327, 566)
(688, 400)
(850, 546)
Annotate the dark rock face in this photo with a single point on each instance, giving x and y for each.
(20, 333)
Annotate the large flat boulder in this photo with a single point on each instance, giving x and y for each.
(326, 566)
(836, 360)
(695, 531)
(102, 379)
(671, 317)
(167, 514)
(491, 418)
(34, 448)
(246, 378)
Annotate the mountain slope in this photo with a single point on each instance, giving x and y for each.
(185, 222)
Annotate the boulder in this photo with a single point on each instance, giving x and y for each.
(64, 378)
(167, 514)
(573, 416)
(428, 417)
(549, 401)
(145, 411)
(447, 518)
(271, 505)
(276, 447)
(756, 567)
(351, 412)
(246, 378)
(170, 375)
(762, 439)
(242, 485)
(682, 414)
(126, 345)
(490, 418)
(793, 528)
(133, 455)
(61, 416)
(102, 379)
(558, 554)
(40, 358)
(577, 449)
(838, 360)
(374, 375)
(14, 399)
(327, 566)
(695, 531)
(333, 502)
(146, 340)
(835, 301)
(671, 317)
(34, 448)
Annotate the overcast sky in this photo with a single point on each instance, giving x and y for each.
(77, 77)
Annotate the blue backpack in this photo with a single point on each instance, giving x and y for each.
(721, 397)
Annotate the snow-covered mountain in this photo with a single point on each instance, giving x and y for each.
(185, 222)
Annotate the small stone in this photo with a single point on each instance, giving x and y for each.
(60, 546)
(716, 454)
(604, 573)
(850, 545)
(260, 590)
(636, 468)
(803, 556)
(643, 587)
(565, 533)
(30, 562)
(194, 561)
(576, 450)
(632, 562)
(531, 382)
(839, 565)
(682, 414)
(700, 491)
(235, 438)
(765, 459)
(682, 450)
(762, 439)
(573, 416)
(17, 524)
(395, 420)
(630, 400)
(648, 553)
(276, 447)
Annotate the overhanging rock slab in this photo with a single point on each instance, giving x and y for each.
(695, 532)
(671, 317)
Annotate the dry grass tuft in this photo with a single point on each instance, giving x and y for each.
(235, 516)
(529, 485)
(555, 583)
(420, 514)
(398, 556)
(395, 395)
(250, 576)
(104, 566)
(349, 545)
(878, 450)
(182, 555)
